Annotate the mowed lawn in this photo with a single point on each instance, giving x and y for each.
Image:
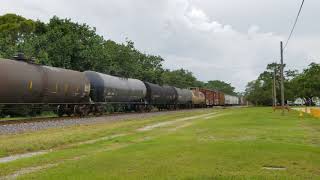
(237, 143)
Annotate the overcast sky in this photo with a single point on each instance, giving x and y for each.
(229, 40)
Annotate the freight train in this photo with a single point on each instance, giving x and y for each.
(71, 92)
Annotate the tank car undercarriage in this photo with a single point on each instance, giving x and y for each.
(82, 110)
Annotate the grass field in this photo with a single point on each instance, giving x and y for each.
(239, 143)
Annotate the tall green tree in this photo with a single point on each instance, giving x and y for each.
(13, 31)
(70, 45)
(259, 91)
(254, 91)
(307, 84)
(221, 86)
(66, 44)
(179, 78)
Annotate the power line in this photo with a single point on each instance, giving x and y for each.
(294, 25)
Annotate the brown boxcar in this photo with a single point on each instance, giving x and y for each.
(208, 94)
(25, 83)
(221, 98)
(216, 98)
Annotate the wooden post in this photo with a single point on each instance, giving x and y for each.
(282, 78)
(274, 88)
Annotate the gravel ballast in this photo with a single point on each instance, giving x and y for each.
(40, 125)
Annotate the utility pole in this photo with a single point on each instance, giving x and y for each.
(274, 87)
(282, 78)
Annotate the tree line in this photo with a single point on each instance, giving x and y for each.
(305, 85)
(66, 44)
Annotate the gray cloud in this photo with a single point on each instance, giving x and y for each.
(230, 40)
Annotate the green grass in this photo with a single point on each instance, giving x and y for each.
(233, 144)
(59, 137)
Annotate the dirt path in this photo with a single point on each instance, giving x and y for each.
(167, 123)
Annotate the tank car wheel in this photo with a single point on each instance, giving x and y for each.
(94, 110)
(69, 114)
(148, 108)
(84, 110)
(69, 111)
(142, 108)
(60, 111)
(100, 110)
(76, 110)
(97, 110)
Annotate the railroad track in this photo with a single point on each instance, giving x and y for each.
(36, 124)
(46, 119)
(31, 120)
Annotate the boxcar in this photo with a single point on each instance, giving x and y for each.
(209, 95)
(107, 88)
(231, 100)
(216, 98)
(221, 98)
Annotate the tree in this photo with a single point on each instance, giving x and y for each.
(179, 78)
(220, 86)
(63, 43)
(254, 91)
(70, 45)
(16, 26)
(66, 44)
(307, 84)
(14, 30)
(259, 91)
(126, 61)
